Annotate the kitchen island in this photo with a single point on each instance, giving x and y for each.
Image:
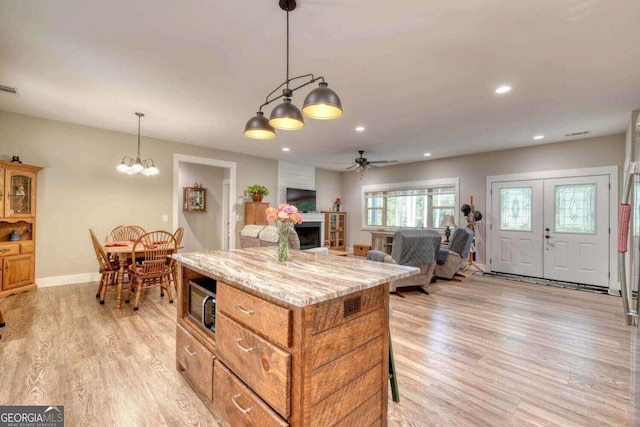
(299, 343)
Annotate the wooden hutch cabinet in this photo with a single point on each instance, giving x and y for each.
(255, 213)
(17, 227)
(335, 230)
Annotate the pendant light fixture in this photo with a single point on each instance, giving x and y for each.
(321, 103)
(137, 166)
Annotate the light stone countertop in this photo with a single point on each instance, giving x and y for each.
(307, 278)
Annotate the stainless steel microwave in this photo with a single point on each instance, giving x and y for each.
(202, 303)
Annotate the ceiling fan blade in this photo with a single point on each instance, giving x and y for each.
(383, 161)
(351, 167)
(370, 166)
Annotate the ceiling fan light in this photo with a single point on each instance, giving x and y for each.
(286, 116)
(322, 103)
(258, 127)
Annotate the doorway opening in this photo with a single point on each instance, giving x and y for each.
(222, 176)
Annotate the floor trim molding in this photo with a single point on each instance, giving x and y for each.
(46, 282)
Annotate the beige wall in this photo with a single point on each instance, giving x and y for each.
(328, 188)
(202, 230)
(473, 170)
(80, 189)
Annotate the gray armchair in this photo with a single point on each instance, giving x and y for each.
(416, 248)
(454, 257)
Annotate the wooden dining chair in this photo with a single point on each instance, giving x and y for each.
(174, 270)
(154, 268)
(108, 271)
(125, 233)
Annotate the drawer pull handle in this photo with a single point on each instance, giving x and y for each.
(244, 411)
(189, 352)
(4, 250)
(244, 310)
(245, 349)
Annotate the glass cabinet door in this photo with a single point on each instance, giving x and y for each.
(195, 199)
(20, 197)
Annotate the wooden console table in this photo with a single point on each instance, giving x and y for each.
(300, 343)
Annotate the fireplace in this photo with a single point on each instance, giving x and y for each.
(309, 234)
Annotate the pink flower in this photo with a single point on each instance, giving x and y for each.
(284, 213)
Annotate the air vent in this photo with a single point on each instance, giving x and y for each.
(584, 132)
(9, 89)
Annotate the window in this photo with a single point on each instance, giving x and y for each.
(515, 208)
(409, 205)
(575, 209)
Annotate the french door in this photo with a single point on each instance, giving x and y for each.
(556, 228)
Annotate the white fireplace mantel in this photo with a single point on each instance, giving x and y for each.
(315, 217)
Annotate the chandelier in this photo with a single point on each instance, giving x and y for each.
(321, 103)
(137, 166)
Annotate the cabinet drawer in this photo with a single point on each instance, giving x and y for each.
(10, 249)
(196, 360)
(238, 405)
(268, 319)
(261, 365)
(27, 248)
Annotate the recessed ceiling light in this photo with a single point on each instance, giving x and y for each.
(427, 154)
(360, 128)
(538, 137)
(503, 89)
(285, 148)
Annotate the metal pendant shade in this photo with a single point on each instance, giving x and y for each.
(321, 103)
(258, 127)
(286, 116)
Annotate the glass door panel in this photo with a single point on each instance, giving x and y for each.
(20, 194)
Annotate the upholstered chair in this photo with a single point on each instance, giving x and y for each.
(253, 236)
(454, 257)
(416, 248)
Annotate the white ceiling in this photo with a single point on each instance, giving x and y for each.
(419, 75)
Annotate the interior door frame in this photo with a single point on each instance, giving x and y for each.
(614, 201)
(231, 205)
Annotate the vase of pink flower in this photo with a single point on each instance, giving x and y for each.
(284, 217)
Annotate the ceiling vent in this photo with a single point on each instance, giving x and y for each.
(8, 89)
(584, 132)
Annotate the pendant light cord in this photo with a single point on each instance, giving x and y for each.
(287, 48)
(139, 136)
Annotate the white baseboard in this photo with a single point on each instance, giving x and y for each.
(45, 282)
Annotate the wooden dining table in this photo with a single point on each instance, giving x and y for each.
(122, 250)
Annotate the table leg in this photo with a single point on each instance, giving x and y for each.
(122, 259)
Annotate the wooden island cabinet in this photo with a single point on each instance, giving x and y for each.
(300, 343)
(17, 227)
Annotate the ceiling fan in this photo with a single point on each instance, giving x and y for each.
(361, 164)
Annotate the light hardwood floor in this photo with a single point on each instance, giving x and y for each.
(484, 352)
